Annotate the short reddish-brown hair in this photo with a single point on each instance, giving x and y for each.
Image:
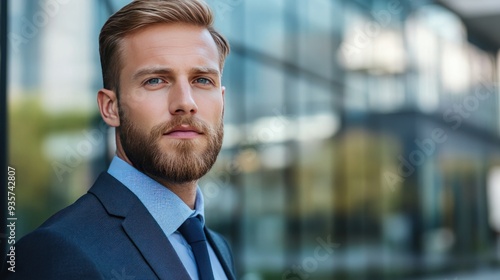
(141, 13)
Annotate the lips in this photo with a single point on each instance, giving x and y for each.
(183, 132)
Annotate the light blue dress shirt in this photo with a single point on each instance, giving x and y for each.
(168, 210)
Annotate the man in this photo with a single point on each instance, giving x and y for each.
(162, 63)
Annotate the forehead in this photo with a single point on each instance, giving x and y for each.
(172, 45)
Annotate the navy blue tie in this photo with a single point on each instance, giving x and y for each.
(192, 230)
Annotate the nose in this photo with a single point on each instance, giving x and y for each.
(181, 100)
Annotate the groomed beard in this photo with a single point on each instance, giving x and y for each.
(184, 162)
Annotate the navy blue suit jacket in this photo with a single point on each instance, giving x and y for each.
(106, 234)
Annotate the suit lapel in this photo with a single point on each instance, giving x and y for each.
(140, 227)
(221, 249)
(153, 244)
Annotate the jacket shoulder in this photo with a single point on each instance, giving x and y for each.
(63, 246)
(49, 254)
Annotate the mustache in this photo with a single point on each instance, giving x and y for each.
(194, 122)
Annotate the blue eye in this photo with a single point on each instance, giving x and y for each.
(154, 81)
(203, 81)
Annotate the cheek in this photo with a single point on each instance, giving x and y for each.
(156, 100)
(145, 113)
(212, 107)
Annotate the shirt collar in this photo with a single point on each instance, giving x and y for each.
(166, 207)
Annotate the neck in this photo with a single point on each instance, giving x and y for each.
(186, 191)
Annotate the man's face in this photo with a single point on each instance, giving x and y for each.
(171, 102)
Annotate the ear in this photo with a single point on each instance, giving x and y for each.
(223, 90)
(108, 106)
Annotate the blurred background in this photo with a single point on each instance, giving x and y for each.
(361, 136)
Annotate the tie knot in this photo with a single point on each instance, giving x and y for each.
(192, 230)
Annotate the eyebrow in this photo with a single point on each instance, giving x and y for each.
(204, 70)
(152, 70)
(168, 71)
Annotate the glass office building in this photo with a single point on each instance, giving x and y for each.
(361, 137)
